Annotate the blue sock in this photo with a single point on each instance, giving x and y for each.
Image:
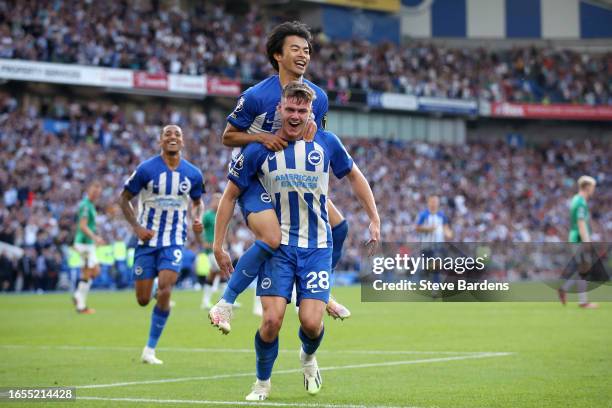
(158, 321)
(266, 355)
(310, 345)
(246, 269)
(339, 233)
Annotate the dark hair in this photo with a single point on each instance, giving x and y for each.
(276, 39)
(298, 90)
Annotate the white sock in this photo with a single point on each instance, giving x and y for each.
(86, 288)
(568, 285)
(582, 294)
(265, 383)
(215, 284)
(81, 295)
(207, 294)
(306, 358)
(222, 287)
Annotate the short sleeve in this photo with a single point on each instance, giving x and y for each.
(136, 182)
(245, 111)
(581, 212)
(444, 218)
(421, 218)
(83, 211)
(340, 160)
(197, 188)
(244, 166)
(320, 112)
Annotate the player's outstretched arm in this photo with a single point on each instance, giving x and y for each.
(125, 202)
(234, 137)
(222, 219)
(361, 188)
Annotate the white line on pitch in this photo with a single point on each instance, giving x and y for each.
(235, 403)
(225, 350)
(333, 368)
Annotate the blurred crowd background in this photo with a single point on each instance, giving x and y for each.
(492, 190)
(209, 40)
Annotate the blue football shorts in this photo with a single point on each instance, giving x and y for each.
(148, 261)
(254, 199)
(308, 268)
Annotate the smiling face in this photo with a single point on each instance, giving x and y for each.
(295, 113)
(295, 56)
(171, 140)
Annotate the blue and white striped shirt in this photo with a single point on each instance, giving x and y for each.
(163, 198)
(297, 179)
(437, 220)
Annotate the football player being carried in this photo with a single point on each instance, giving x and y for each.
(256, 119)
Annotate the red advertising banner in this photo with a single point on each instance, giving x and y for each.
(560, 112)
(223, 87)
(150, 81)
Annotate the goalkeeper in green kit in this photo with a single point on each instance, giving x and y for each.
(580, 231)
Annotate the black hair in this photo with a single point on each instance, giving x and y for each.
(276, 39)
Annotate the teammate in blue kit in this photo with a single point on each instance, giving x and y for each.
(164, 185)
(256, 119)
(297, 179)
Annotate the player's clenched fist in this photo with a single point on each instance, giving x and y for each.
(143, 233)
(197, 227)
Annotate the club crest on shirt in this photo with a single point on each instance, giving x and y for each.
(185, 186)
(315, 157)
(265, 197)
(239, 162)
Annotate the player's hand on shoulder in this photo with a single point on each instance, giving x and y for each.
(224, 261)
(197, 226)
(310, 130)
(273, 142)
(143, 234)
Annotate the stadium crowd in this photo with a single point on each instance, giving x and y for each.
(491, 191)
(209, 40)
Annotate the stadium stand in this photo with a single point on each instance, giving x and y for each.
(209, 40)
(492, 191)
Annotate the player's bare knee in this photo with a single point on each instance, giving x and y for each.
(143, 299)
(312, 327)
(163, 295)
(272, 238)
(270, 326)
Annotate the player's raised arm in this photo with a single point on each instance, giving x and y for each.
(361, 188)
(234, 137)
(224, 215)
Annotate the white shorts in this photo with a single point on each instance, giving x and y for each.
(88, 253)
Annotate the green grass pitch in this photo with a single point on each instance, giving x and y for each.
(430, 354)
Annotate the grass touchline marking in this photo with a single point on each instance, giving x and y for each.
(299, 370)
